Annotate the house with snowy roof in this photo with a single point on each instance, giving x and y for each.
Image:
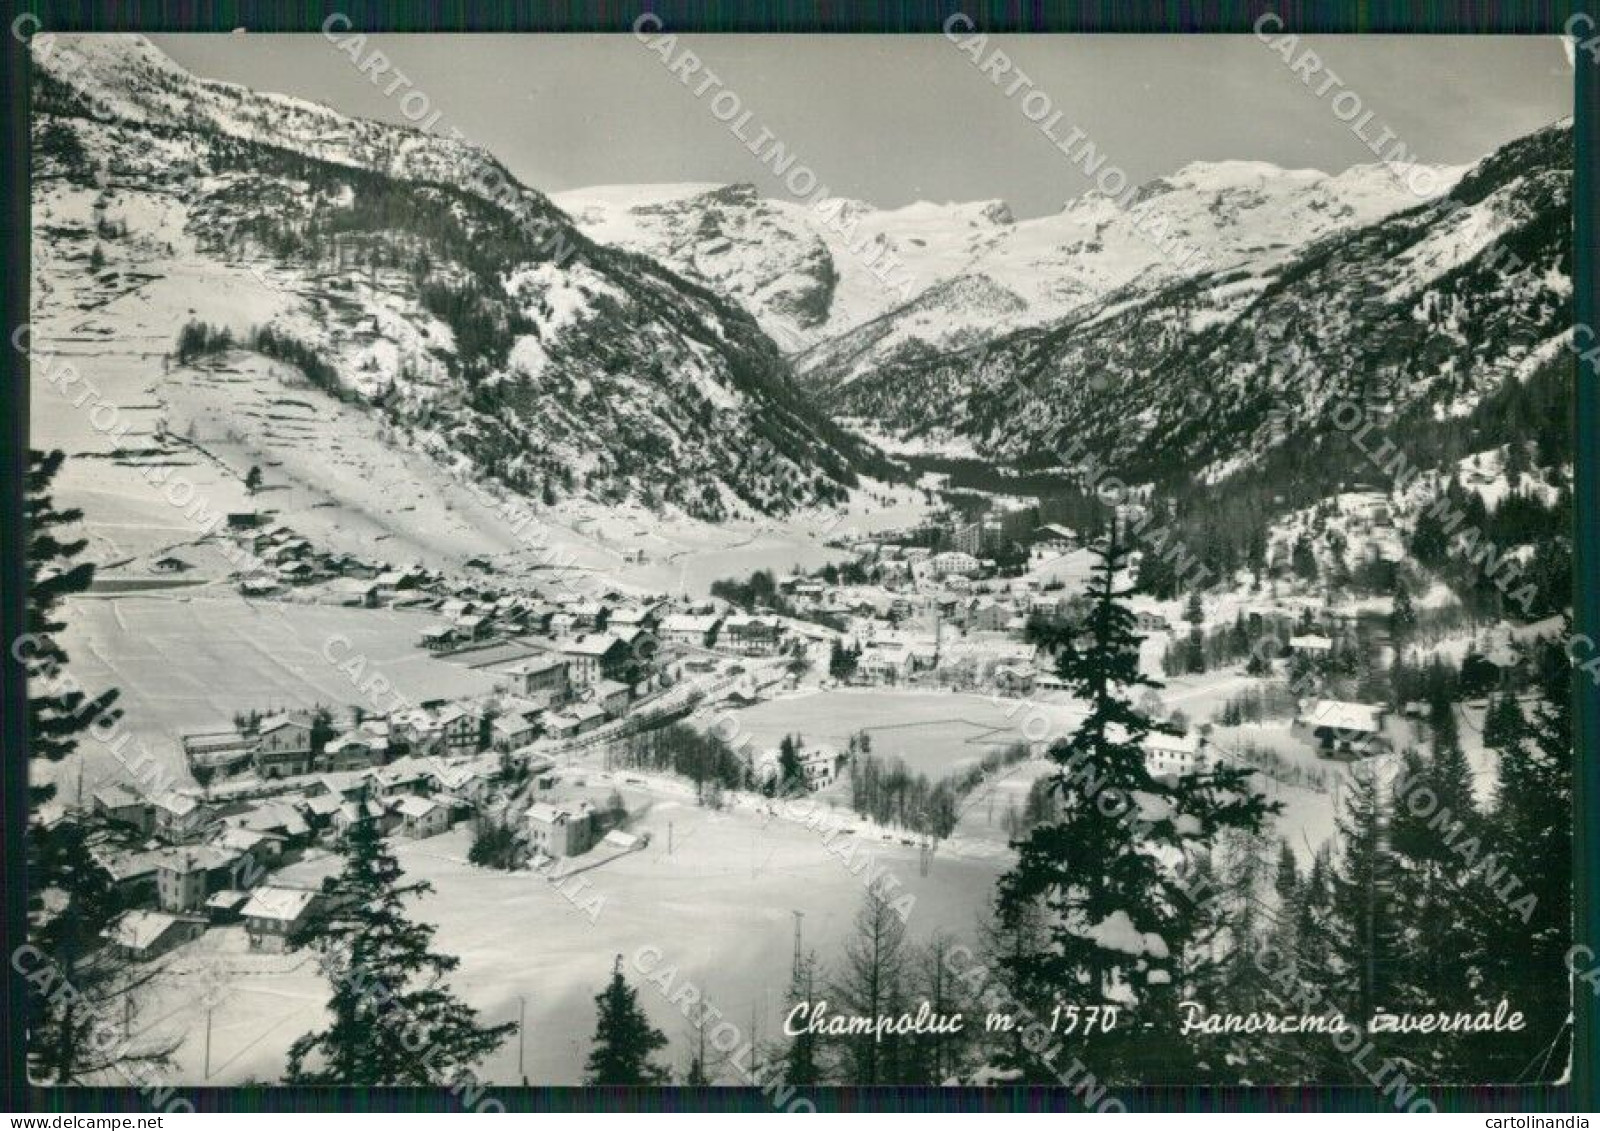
(1338, 728)
(421, 817)
(273, 914)
(141, 935)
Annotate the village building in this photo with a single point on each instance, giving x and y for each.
(319, 810)
(560, 830)
(924, 652)
(376, 730)
(411, 776)
(514, 729)
(345, 786)
(417, 732)
(260, 846)
(586, 616)
(612, 697)
(537, 615)
(540, 678)
(1012, 679)
(142, 935)
(422, 817)
(561, 725)
(1146, 621)
(984, 614)
(357, 593)
(1314, 645)
(588, 716)
(950, 563)
(437, 638)
(177, 817)
(132, 873)
(259, 586)
(591, 659)
(393, 581)
(750, 635)
(1172, 754)
(819, 765)
(296, 573)
(1337, 728)
(460, 729)
(640, 641)
(644, 616)
(887, 663)
(224, 907)
(186, 877)
(350, 566)
(279, 816)
(690, 629)
(467, 781)
(472, 626)
(123, 805)
(1049, 542)
(283, 746)
(352, 813)
(352, 751)
(274, 914)
(218, 753)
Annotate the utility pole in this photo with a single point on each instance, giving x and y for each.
(522, 1012)
(206, 1075)
(798, 961)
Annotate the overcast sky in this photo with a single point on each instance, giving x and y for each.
(895, 119)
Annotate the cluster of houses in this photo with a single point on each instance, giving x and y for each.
(180, 864)
(601, 637)
(905, 634)
(288, 561)
(960, 555)
(293, 744)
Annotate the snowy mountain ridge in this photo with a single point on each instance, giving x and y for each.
(429, 284)
(802, 271)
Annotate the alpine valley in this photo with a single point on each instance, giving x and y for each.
(581, 604)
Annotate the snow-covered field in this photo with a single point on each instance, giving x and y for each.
(187, 660)
(934, 732)
(719, 908)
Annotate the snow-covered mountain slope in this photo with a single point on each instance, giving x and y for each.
(847, 286)
(1425, 311)
(481, 324)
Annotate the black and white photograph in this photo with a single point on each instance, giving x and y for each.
(792, 562)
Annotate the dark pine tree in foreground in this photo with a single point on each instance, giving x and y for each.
(870, 982)
(802, 1056)
(395, 1021)
(57, 714)
(1530, 918)
(1364, 948)
(624, 1039)
(1436, 895)
(1120, 914)
(698, 1075)
(70, 900)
